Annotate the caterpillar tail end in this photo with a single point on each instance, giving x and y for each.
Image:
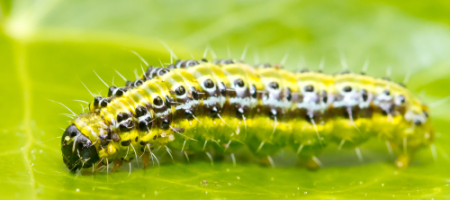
(310, 163)
(77, 150)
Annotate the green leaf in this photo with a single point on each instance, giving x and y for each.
(47, 47)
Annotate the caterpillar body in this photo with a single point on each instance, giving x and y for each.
(197, 106)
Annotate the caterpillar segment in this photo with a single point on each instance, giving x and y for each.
(224, 105)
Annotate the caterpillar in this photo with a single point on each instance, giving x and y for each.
(222, 106)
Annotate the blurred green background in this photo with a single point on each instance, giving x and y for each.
(48, 46)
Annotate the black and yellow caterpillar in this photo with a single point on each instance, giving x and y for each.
(194, 106)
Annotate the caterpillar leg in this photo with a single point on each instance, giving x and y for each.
(405, 154)
(146, 159)
(267, 161)
(403, 161)
(117, 164)
(311, 162)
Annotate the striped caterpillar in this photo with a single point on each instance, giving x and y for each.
(223, 106)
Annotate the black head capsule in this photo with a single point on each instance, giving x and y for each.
(82, 154)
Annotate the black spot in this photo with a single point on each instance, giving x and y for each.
(158, 101)
(267, 65)
(425, 113)
(402, 99)
(240, 112)
(125, 127)
(309, 117)
(253, 91)
(122, 116)
(223, 90)
(347, 89)
(126, 143)
(214, 112)
(97, 101)
(273, 114)
(142, 143)
(136, 139)
(194, 93)
(227, 61)
(345, 72)
(191, 63)
(288, 94)
(129, 83)
(163, 71)
(168, 101)
(364, 95)
(146, 124)
(304, 70)
(105, 102)
(119, 92)
(309, 88)
(387, 111)
(141, 111)
(188, 114)
(104, 140)
(111, 90)
(204, 60)
(274, 85)
(239, 83)
(387, 92)
(417, 122)
(165, 124)
(154, 137)
(208, 83)
(324, 97)
(180, 91)
(138, 83)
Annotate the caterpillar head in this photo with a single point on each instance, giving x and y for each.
(78, 150)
